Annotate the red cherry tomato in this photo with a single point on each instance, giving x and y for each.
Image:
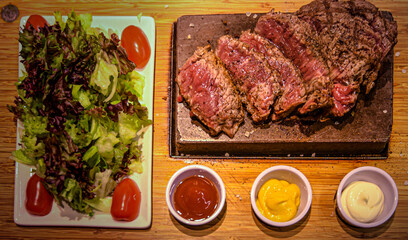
(38, 199)
(126, 201)
(36, 21)
(136, 44)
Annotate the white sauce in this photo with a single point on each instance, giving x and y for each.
(362, 201)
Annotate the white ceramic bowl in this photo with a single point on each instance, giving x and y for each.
(291, 175)
(383, 180)
(188, 171)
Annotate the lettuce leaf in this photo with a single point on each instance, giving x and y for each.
(58, 19)
(100, 204)
(32, 147)
(129, 125)
(105, 145)
(78, 136)
(104, 184)
(103, 76)
(134, 83)
(21, 157)
(72, 193)
(35, 125)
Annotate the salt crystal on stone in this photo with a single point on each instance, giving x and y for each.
(247, 134)
(385, 111)
(191, 24)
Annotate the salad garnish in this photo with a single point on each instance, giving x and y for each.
(78, 101)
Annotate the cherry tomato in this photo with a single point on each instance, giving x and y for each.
(36, 21)
(126, 201)
(38, 199)
(136, 44)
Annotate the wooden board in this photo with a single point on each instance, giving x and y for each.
(363, 133)
(237, 220)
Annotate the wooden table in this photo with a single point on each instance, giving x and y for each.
(237, 220)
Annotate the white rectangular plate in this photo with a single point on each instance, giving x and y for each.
(66, 216)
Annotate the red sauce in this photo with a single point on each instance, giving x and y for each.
(195, 198)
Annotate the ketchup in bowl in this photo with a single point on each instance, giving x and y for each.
(196, 198)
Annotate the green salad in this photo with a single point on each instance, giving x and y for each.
(79, 104)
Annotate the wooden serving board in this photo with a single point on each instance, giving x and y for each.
(362, 134)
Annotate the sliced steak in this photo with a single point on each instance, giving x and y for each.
(299, 42)
(256, 82)
(291, 82)
(354, 38)
(207, 88)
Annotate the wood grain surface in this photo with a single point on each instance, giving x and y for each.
(237, 221)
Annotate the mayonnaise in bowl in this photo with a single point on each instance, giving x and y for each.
(362, 201)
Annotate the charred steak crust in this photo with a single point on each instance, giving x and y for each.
(257, 83)
(207, 88)
(293, 90)
(354, 38)
(299, 42)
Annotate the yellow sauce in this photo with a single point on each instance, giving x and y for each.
(362, 201)
(278, 200)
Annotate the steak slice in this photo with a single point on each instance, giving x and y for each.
(207, 88)
(354, 38)
(299, 42)
(291, 82)
(257, 83)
